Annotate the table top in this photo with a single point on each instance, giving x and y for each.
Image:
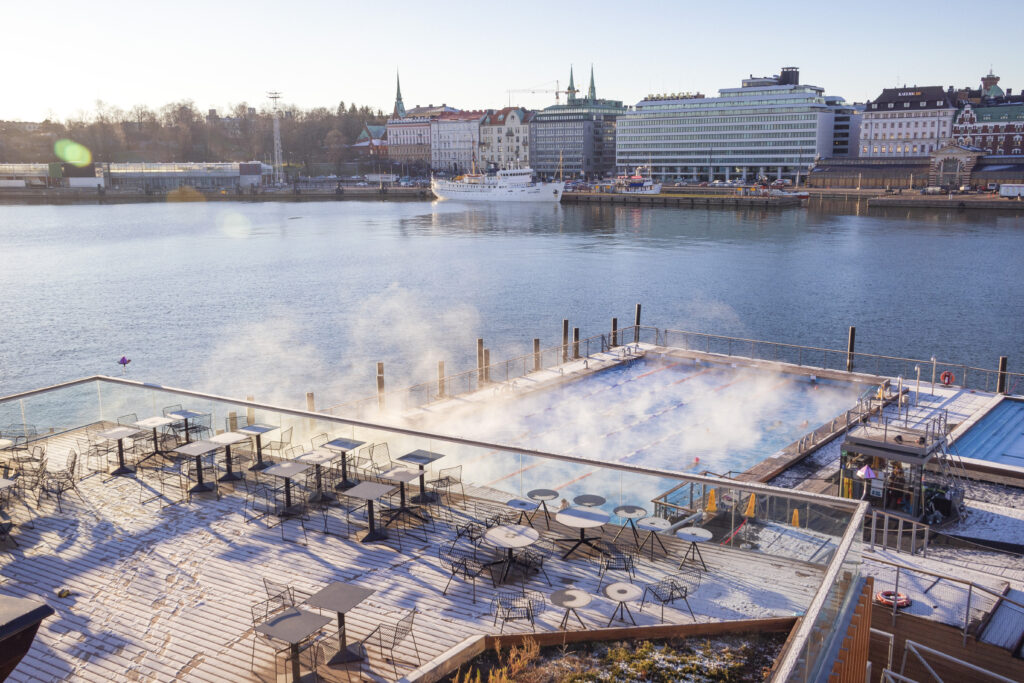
(6, 483)
(341, 444)
(511, 536)
(287, 469)
(525, 505)
(400, 474)
(653, 524)
(542, 494)
(621, 591)
(694, 534)
(421, 457)
(293, 625)
(185, 414)
(571, 597)
(6, 443)
(197, 448)
(339, 597)
(228, 438)
(630, 512)
(589, 500)
(117, 433)
(318, 457)
(256, 429)
(154, 422)
(368, 490)
(582, 518)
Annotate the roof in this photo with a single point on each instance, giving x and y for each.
(455, 115)
(914, 95)
(1005, 112)
(498, 118)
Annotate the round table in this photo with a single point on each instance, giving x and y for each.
(525, 507)
(589, 500)
(629, 513)
(510, 537)
(695, 535)
(581, 518)
(622, 592)
(652, 525)
(542, 496)
(571, 599)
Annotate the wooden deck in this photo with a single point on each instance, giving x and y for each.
(164, 593)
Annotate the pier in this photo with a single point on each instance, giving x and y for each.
(683, 201)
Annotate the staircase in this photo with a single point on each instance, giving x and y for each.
(1004, 625)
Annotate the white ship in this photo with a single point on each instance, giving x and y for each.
(636, 184)
(512, 185)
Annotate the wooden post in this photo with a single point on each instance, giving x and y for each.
(536, 354)
(615, 331)
(250, 412)
(380, 386)
(565, 340)
(480, 360)
(575, 343)
(1001, 378)
(232, 421)
(487, 365)
(311, 407)
(636, 326)
(440, 378)
(849, 349)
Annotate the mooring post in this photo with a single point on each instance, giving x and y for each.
(487, 365)
(380, 386)
(615, 331)
(232, 421)
(849, 349)
(250, 412)
(311, 407)
(480, 359)
(565, 339)
(440, 378)
(575, 343)
(536, 354)
(1001, 379)
(636, 326)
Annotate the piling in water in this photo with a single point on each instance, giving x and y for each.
(615, 331)
(565, 340)
(575, 343)
(1001, 378)
(636, 326)
(849, 349)
(536, 355)
(480, 359)
(440, 378)
(380, 386)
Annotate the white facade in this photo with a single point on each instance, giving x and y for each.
(455, 141)
(906, 122)
(505, 138)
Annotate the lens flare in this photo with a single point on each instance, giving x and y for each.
(234, 224)
(72, 152)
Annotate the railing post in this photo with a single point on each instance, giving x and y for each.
(440, 378)
(1001, 377)
(967, 612)
(536, 355)
(874, 522)
(487, 365)
(896, 595)
(849, 348)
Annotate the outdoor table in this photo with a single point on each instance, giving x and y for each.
(402, 476)
(197, 449)
(344, 446)
(571, 599)
(258, 431)
(286, 470)
(155, 423)
(629, 513)
(293, 626)
(422, 458)
(542, 496)
(581, 518)
(652, 525)
(185, 416)
(695, 535)
(226, 439)
(119, 434)
(370, 491)
(525, 507)
(340, 598)
(621, 592)
(318, 459)
(589, 500)
(510, 537)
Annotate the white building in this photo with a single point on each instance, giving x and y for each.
(907, 122)
(455, 141)
(505, 138)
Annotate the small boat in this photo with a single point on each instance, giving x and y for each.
(636, 184)
(509, 185)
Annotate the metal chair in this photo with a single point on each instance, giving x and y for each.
(261, 612)
(298, 510)
(294, 595)
(318, 441)
(522, 606)
(30, 480)
(669, 590)
(191, 474)
(276, 448)
(463, 564)
(171, 482)
(389, 637)
(613, 557)
(532, 558)
(200, 427)
(447, 478)
(63, 480)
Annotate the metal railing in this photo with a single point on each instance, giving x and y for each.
(901, 537)
(922, 654)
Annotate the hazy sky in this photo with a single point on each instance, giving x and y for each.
(60, 57)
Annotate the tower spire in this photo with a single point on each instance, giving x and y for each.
(571, 90)
(592, 91)
(399, 111)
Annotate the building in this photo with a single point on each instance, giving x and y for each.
(990, 119)
(770, 126)
(372, 142)
(505, 138)
(575, 139)
(845, 126)
(907, 122)
(455, 140)
(408, 131)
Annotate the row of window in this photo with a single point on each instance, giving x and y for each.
(807, 135)
(632, 121)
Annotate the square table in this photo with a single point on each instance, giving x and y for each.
(119, 434)
(344, 446)
(340, 598)
(155, 423)
(370, 491)
(401, 476)
(185, 416)
(286, 470)
(509, 537)
(293, 626)
(197, 449)
(422, 458)
(258, 431)
(226, 439)
(318, 458)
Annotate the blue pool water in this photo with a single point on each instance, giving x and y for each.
(997, 437)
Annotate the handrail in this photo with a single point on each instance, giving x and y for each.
(946, 577)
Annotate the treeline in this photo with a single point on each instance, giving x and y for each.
(180, 132)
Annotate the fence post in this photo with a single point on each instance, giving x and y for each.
(967, 612)
(896, 595)
(380, 386)
(440, 378)
(536, 354)
(849, 348)
(636, 326)
(874, 522)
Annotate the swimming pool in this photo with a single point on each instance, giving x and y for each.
(997, 437)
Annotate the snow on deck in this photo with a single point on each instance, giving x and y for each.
(164, 593)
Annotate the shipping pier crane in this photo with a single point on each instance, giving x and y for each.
(569, 92)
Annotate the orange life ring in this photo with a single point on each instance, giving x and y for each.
(888, 597)
(947, 378)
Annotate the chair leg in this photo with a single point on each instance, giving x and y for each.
(687, 601)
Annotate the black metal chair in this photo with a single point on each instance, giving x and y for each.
(200, 427)
(274, 449)
(447, 479)
(298, 510)
(669, 590)
(169, 480)
(191, 475)
(63, 480)
(30, 480)
(275, 589)
(519, 606)
(318, 441)
(388, 637)
(612, 557)
(532, 558)
(262, 611)
(463, 564)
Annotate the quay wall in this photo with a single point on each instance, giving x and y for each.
(686, 201)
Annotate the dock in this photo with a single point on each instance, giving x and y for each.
(682, 201)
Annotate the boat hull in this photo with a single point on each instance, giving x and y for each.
(468, 192)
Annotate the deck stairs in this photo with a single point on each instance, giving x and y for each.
(1004, 625)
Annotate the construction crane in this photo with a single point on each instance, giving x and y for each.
(571, 92)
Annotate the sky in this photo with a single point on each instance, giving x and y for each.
(62, 57)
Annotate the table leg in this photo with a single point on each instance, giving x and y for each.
(200, 484)
(344, 655)
(260, 465)
(375, 534)
(230, 474)
(188, 437)
(296, 671)
(287, 493)
(320, 495)
(345, 482)
(424, 496)
(121, 467)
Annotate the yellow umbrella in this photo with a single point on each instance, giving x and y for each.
(712, 507)
(749, 512)
(796, 518)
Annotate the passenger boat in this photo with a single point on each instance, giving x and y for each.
(509, 185)
(636, 184)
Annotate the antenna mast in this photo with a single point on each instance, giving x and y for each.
(278, 162)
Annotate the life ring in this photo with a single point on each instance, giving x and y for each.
(947, 378)
(887, 598)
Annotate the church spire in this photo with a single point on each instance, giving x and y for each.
(399, 111)
(592, 91)
(571, 90)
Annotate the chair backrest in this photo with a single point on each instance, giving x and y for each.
(72, 468)
(172, 409)
(689, 577)
(234, 422)
(292, 452)
(286, 435)
(130, 419)
(38, 451)
(402, 630)
(452, 473)
(318, 441)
